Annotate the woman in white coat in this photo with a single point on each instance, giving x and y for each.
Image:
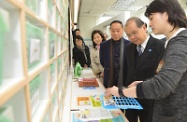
(97, 38)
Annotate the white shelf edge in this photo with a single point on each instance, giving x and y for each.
(60, 96)
(10, 88)
(39, 115)
(67, 99)
(54, 115)
(53, 88)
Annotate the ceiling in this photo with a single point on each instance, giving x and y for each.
(106, 8)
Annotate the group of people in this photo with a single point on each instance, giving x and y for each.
(148, 69)
(89, 57)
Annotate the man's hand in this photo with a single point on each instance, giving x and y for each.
(134, 83)
(111, 91)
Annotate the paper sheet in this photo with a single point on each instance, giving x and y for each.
(34, 50)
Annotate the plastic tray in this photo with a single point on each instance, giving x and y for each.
(122, 103)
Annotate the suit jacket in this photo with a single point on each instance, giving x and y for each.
(141, 68)
(105, 58)
(147, 63)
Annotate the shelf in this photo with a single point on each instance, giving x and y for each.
(58, 21)
(34, 18)
(61, 112)
(52, 44)
(9, 88)
(33, 56)
(59, 5)
(36, 43)
(51, 13)
(53, 78)
(40, 67)
(17, 103)
(41, 110)
(66, 107)
(11, 4)
(54, 85)
(39, 7)
(55, 115)
(47, 117)
(38, 91)
(59, 44)
(54, 105)
(59, 70)
(12, 54)
(60, 87)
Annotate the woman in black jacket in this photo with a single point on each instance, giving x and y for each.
(81, 52)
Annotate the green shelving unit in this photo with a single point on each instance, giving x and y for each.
(34, 40)
(59, 66)
(5, 115)
(52, 73)
(34, 88)
(4, 27)
(52, 39)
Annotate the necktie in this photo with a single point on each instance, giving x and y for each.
(139, 50)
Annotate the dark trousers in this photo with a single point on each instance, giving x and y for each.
(145, 115)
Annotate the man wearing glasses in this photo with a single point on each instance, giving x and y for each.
(143, 57)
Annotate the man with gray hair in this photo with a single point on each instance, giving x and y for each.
(143, 57)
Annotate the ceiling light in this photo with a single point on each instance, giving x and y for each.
(121, 5)
(135, 8)
(76, 10)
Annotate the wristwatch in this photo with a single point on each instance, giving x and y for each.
(120, 91)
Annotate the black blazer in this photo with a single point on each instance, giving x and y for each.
(105, 59)
(147, 63)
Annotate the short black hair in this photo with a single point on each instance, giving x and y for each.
(79, 37)
(100, 33)
(176, 15)
(77, 29)
(116, 21)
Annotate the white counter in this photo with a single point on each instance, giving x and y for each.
(77, 91)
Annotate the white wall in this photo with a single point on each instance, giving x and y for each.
(104, 26)
(184, 5)
(87, 24)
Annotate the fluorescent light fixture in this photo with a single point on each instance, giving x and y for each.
(121, 5)
(135, 8)
(76, 10)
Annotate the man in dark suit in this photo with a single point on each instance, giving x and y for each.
(143, 57)
(110, 54)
